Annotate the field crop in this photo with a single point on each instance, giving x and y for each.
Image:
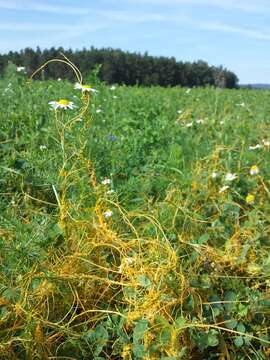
(136, 225)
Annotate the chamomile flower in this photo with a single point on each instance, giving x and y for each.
(84, 88)
(254, 170)
(230, 177)
(62, 104)
(250, 199)
(108, 213)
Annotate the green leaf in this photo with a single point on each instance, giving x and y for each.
(165, 336)
(239, 341)
(203, 239)
(180, 322)
(216, 311)
(144, 281)
(139, 330)
(230, 323)
(241, 328)
(231, 297)
(138, 351)
(242, 310)
(212, 338)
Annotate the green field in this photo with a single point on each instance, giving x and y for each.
(170, 258)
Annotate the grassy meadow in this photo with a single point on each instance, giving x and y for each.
(136, 225)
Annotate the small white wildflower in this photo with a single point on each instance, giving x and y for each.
(189, 124)
(106, 182)
(42, 147)
(20, 68)
(179, 111)
(188, 91)
(224, 188)
(214, 175)
(109, 192)
(222, 122)
(59, 79)
(113, 88)
(114, 97)
(254, 170)
(242, 104)
(125, 263)
(230, 177)
(200, 121)
(108, 213)
(98, 111)
(258, 146)
(84, 88)
(62, 104)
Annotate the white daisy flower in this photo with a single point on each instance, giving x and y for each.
(84, 88)
(222, 122)
(224, 188)
(113, 88)
(114, 97)
(258, 146)
(108, 213)
(188, 91)
(106, 182)
(62, 104)
(43, 147)
(179, 111)
(98, 111)
(59, 79)
(230, 177)
(189, 124)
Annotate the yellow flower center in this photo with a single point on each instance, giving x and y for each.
(254, 168)
(63, 102)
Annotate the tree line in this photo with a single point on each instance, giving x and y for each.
(121, 67)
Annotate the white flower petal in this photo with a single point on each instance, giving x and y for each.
(230, 177)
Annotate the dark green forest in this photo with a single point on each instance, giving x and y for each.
(120, 67)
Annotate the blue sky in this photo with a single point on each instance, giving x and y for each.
(232, 33)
